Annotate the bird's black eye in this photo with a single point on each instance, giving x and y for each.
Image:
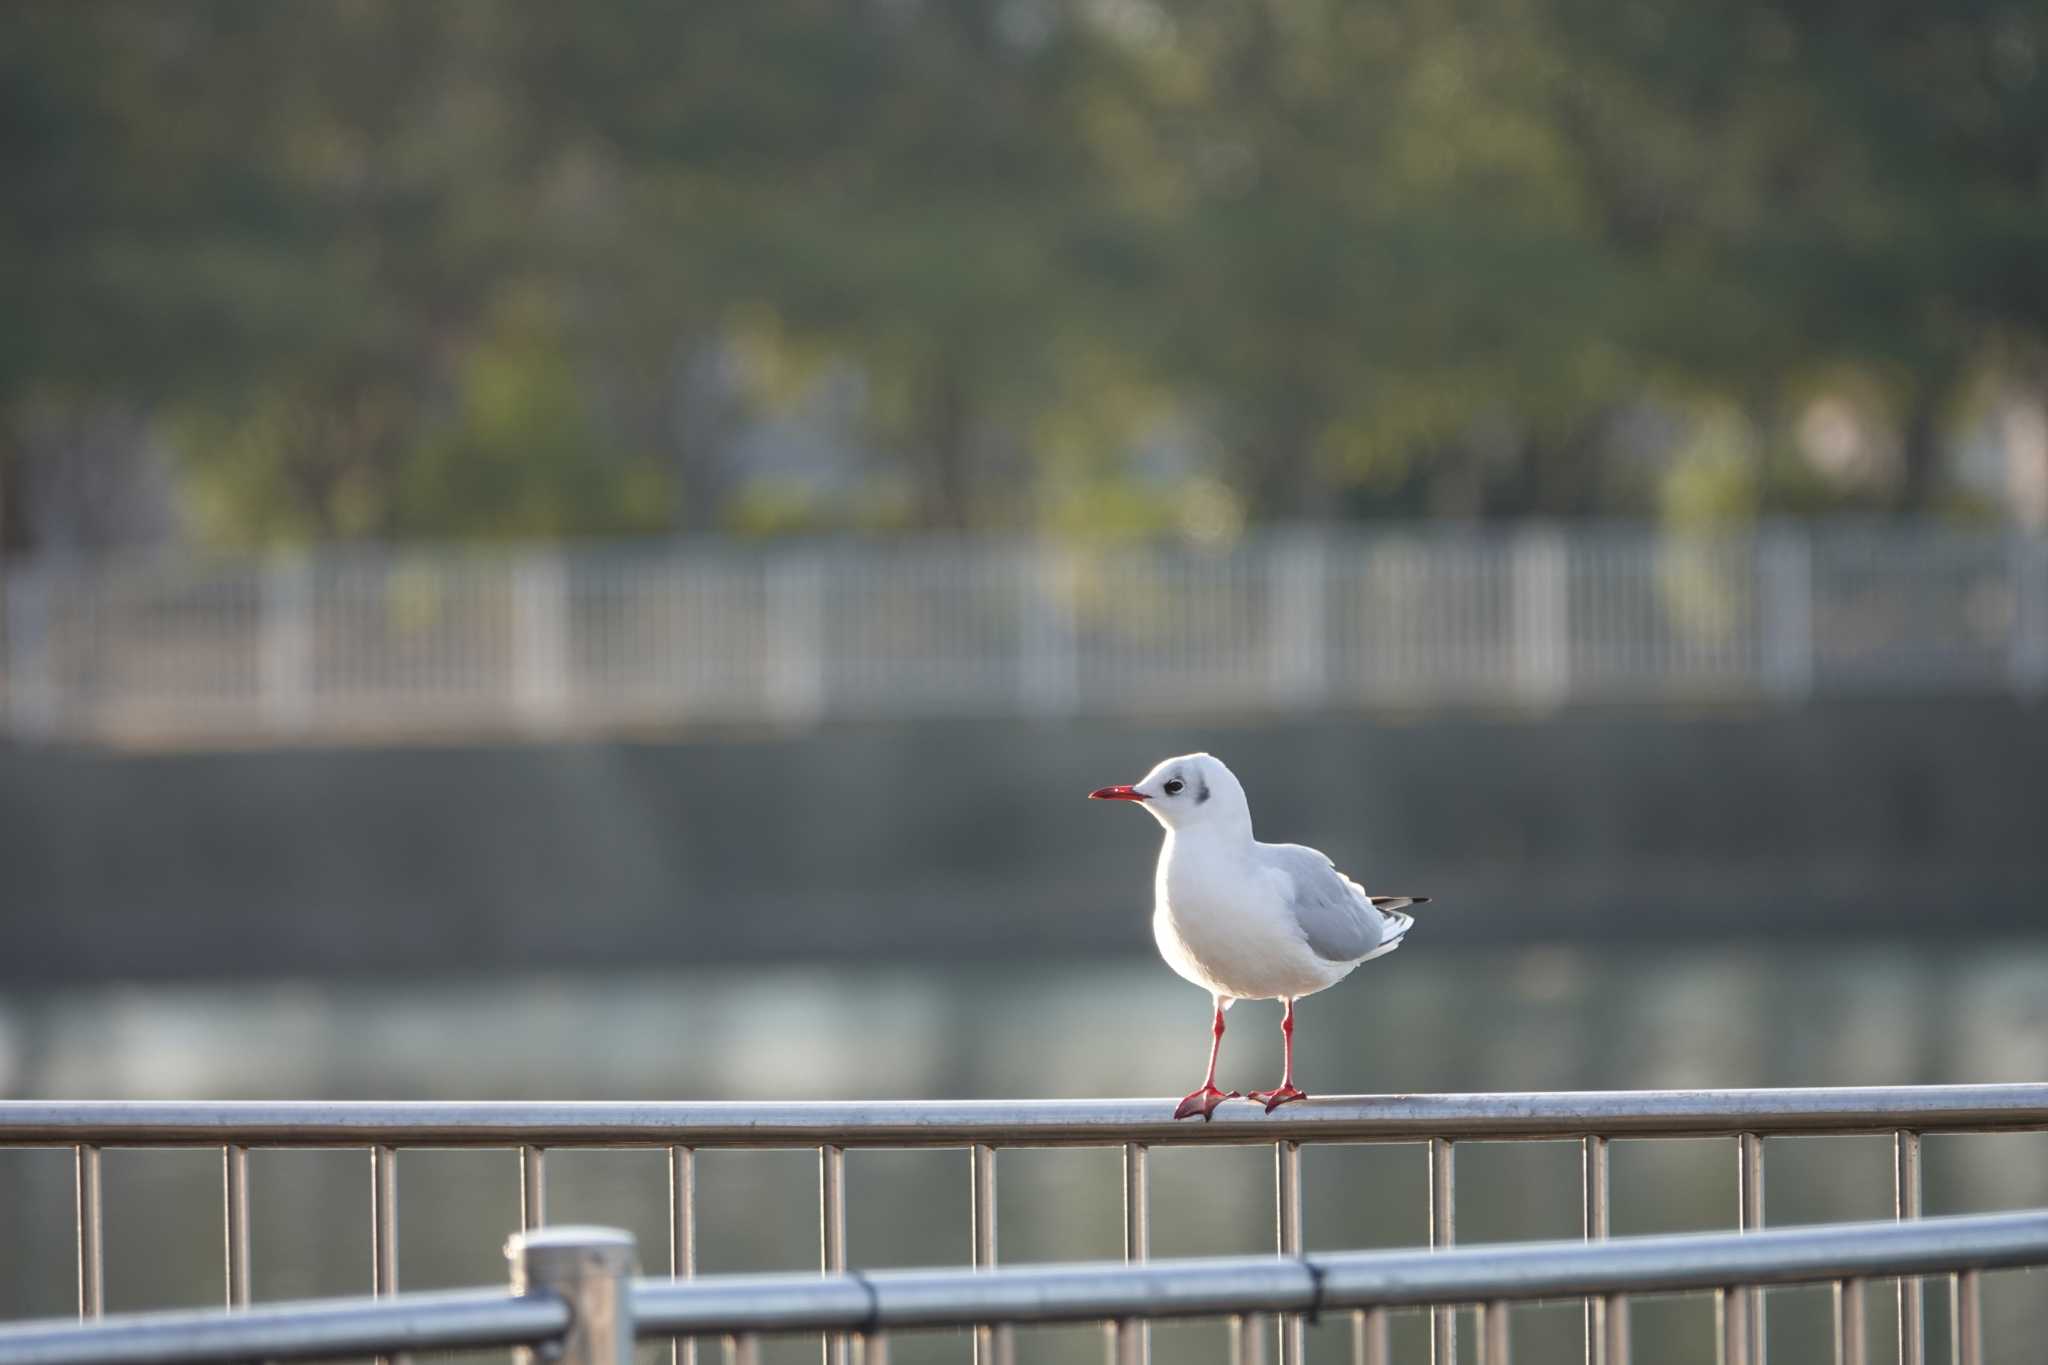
(1173, 787)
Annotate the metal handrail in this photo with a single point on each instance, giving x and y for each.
(466, 1319)
(1203, 1287)
(873, 1304)
(1023, 1123)
(1441, 1122)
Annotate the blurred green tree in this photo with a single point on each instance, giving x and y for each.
(429, 269)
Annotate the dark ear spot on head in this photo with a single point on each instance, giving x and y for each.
(1201, 791)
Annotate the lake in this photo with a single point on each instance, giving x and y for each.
(1427, 1019)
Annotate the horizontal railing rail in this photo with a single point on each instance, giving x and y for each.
(1331, 1281)
(1439, 1123)
(742, 1307)
(1022, 1123)
(451, 1320)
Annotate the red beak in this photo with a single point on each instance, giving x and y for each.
(1118, 794)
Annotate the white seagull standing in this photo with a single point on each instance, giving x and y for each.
(1250, 921)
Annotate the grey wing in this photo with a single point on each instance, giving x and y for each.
(1335, 915)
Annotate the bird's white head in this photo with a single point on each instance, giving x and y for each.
(1193, 790)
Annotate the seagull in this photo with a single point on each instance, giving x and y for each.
(1250, 921)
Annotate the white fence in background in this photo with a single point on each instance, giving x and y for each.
(349, 643)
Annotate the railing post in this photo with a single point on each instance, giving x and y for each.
(1851, 1342)
(1732, 1323)
(1594, 1181)
(1248, 1339)
(1369, 1337)
(1443, 1321)
(384, 1229)
(540, 634)
(235, 1204)
(1542, 621)
(383, 1221)
(1138, 1224)
(682, 1233)
(287, 643)
(832, 1233)
(1050, 635)
(533, 1187)
(1494, 1339)
(982, 1213)
(589, 1269)
(1785, 606)
(1966, 1329)
(92, 1273)
(1749, 1182)
(1297, 581)
(1614, 1333)
(1287, 1207)
(796, 622)
(1906, 1204)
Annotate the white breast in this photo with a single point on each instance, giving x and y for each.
(1222, 924)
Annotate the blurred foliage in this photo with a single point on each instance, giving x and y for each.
(420, 268)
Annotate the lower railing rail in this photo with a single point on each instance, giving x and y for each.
(469, 1319)
(576, 1304)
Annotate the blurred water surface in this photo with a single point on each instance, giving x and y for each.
(1430, 1019)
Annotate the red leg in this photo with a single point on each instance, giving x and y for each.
(1273, 1099)
(1205, 1100)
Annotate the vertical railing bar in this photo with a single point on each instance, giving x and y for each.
(1732, 1322)
(1968, 1331)
(1749, 1200)
(533, 1188)
(384, 1229)
(682, 1236)
(92, 1266)
(1493, 1333)
(1615, 1334)
(1138, 1224)
(832, 1231)
(1369, 1337)
(235, 1204)
(981, 1211)
(383, 1221)
(1443, 1320)
(744, 1349)
(1120, 1342)
(993, 1344)
(1593, 1187)
(1248, 1339)
(1287, 1211)
(874, 1348)
(1851, 1341)
(1912, 1306)
(1137, 1202)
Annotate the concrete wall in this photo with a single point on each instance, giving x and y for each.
(972, 839)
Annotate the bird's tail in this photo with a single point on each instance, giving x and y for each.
(1398, 923)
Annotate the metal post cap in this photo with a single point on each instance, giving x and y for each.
(544, 1255)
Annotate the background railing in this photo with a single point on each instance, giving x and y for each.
(341, 642)
(1746, 1119)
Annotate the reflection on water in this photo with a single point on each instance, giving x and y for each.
(1426, 1020)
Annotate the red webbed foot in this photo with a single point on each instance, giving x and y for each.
(1204, 1102)
(1273, 1099)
